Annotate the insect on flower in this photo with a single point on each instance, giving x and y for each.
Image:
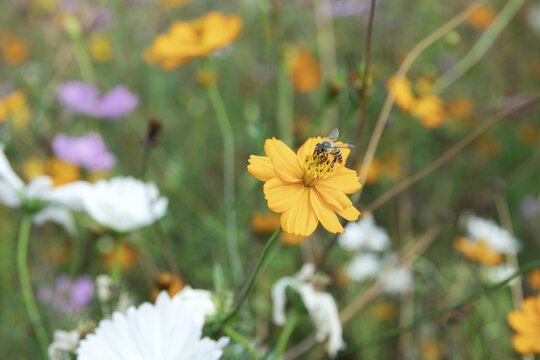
(328, 147)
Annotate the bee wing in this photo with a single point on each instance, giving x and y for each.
(343, 146)
(333, 135)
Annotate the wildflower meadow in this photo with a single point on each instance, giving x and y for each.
(269, 179)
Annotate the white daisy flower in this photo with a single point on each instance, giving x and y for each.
(48, 203)
(321, 306)
(495, 237)
(364, 266)
(202, 297)
(495, 274)
(364, 235)
(124, 204)
(63, 342)
(169, 330)
(395, 278)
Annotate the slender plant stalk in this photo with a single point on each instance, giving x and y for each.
(240, 339)
(367, 61)
(481, 47)
(450, 153)
(285, 106)
(402, 71)
(285, 335)
(116, 271)
(26, 286)
(246, 290)
(227, 135)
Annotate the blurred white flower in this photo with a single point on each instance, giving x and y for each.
(364, 266)
(495, 237)
(395, 278)
(495, 274)
(169, 330)
(321, 306)
(48, 203)
(124, 204)
(104, 288)
(364, 235)
(533, 18)
(202, 297)
(63, 342)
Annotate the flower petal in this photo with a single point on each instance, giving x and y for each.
(281, 196)
(284, 160)
(333, 196)
(325, 214)
(344, 179)
(300, 219)
(349, 213)
(307, 149)
(261, 167)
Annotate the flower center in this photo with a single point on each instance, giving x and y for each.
(317, 167)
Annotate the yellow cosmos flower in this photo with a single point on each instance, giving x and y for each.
(526, 322)
(478, 251)
(14, 50)
(304, 189)
(61, 172)
(482, 17)
(430, 110)
(304, 70)
(188, 40)
(461, 107)
(403, 95)
(100, 48)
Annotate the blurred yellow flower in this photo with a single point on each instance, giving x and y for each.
(432, 350)
(188, 40)
(206, 77)
(430, 110)
(168, 282)
(46, 5)
(100, 48)
(266, 224)
(526, 322)
(291, 239)
(33, 168)
(534, 279)
(423, 85)
(128, 256)
(61, 172)
(460, 107)
(304, 189)
(403, 96)
(304, 70)
(482, 17)
(373, 172)
(478, 251)
(14, 105)
(171, 4)
(14, 50)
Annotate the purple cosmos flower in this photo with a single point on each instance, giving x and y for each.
(83, 98)
(68, 296)
(88, 151)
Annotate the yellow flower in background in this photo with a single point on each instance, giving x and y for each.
(373, 172)
(33, 168)
(100, 48)
(403, 95)
(534, 279)
(46, 5)
(526, 323)
(304, 189)
(168, 282)
(304, 70)
(432, 350)
(206, 77)
(128, 256)
(60, 172)
(188, 40)
(267, 224)
(423, 86)
(430, 110)
(14, 50)
(14, 105)
(460, 107)
(171, 4)
(291, 239)
(478, 251)
(482, 17)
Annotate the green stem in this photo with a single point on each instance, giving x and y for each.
(117, 265)
(481, 47)
(285, 105)
(26, 287)
(83, 59)
(240, 339)
(227, 134)
(469, 299)
(285, 335)
(251, 281)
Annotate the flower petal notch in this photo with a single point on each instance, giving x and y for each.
(307, 187)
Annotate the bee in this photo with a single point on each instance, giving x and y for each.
(327, 147)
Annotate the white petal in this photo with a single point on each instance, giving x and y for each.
(7, 174)
(58, 215)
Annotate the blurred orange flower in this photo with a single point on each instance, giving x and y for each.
(304, 70)
(534, 279)
(59, 171)
(460, 107)
(478, 251)
(526, 322)
(304, 189)
(403, 95)
(128, 256)
(14, 104)
(482, 17)
(188, 40)
(171, 283)
(430, 110)
(14, 50)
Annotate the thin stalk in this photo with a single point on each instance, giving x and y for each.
(481, 47)
(83, 59)
(402, 71)
(240, 339)
(285, 336)
(116, 271)
(26, 286)
(367, 61)
(285, 106)
(450, 153)
(227, 135)
(246, 290)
